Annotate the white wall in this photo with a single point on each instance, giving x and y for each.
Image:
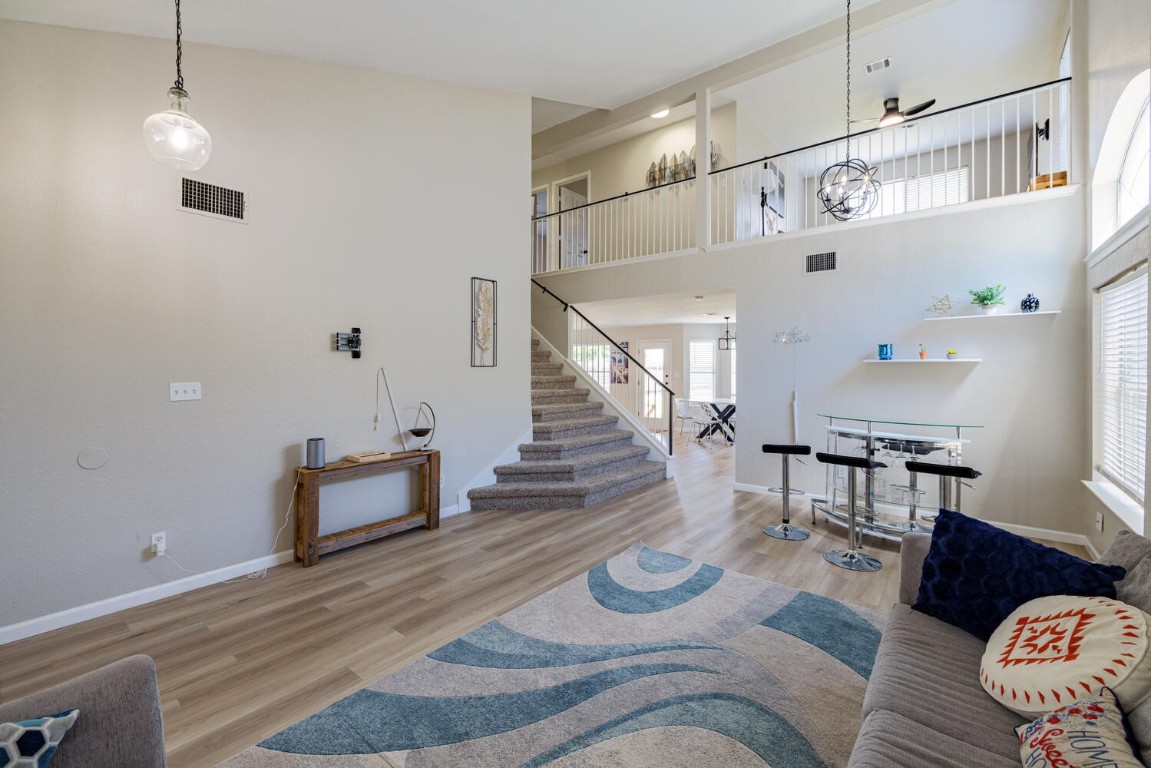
(622, 167)
(1028, 390)
(108, 292)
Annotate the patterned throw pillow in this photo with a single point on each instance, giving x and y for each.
(1086, 733)
(975, 574)
(1054, 650)
(31, 743)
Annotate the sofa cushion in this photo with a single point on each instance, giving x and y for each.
(31, 743)
(1087, 732)
(889, 740)
(922, 664)
(1054, 650)
(976, 574)
(1127, 549)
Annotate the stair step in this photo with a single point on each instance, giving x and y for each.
(541, 356)
(565, 411)
(566, 470)
(567, 495)
(551, 396)
(547, 369)
(553, 382)
(558, 430)
(535, 344)
(577, 445)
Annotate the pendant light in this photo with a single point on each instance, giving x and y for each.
(850, 188)
(172, 136)
(727, 340)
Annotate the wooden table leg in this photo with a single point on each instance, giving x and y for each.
(308, 519)
(430, 489)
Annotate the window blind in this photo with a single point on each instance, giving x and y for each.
(701, 369)
(1122, 409)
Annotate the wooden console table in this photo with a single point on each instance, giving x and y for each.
(310, 545)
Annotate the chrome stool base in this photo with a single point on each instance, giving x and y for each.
(787, 531)
(779, 489)
(852, 560)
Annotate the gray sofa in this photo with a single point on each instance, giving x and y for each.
(924, 704)
(120, 723)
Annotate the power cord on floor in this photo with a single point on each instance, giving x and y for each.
(275, 543)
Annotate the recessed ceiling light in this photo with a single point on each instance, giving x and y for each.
(875, 66)
(661, 113)
(698, 298)
(709, 314)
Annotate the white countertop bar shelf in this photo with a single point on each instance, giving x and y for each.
(982, 316)
(917, 360)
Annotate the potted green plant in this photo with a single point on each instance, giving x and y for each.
(988, 299)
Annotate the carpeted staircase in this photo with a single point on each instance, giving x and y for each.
(577, 457)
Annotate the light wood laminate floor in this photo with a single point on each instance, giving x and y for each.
(238, 662)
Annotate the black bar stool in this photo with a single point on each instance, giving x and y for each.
(851, 558)
(950, 475)
(786, 530)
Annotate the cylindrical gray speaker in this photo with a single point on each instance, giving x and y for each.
(315, 453)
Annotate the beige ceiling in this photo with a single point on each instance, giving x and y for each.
(597, 53)
(671, 309)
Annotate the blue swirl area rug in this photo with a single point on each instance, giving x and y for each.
(647, 661)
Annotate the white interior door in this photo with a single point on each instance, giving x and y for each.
(572, 226)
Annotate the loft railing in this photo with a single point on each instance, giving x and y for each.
(1004, 145)
(618, 376)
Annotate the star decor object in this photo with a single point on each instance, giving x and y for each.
(942, 307)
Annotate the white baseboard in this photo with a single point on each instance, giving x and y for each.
(1045, 533)
(67, 618)
(41, 624)
(764, 490)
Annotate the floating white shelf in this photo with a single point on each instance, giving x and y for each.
(997, 314)
(928, 360)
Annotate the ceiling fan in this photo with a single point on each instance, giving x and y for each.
(892, 115)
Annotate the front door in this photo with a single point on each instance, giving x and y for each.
(655, 356)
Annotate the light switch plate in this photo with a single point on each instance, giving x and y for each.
(186, 390)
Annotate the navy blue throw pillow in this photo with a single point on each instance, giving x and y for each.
(975, 574)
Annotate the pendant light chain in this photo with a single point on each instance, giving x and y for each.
(180, 49)
(848, 132)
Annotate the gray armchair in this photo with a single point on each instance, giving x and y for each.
(120, 723)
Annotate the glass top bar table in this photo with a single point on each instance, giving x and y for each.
(898, 439)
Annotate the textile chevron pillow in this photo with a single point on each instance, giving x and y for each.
(31, 743)
(975, 574)
(1086, 733)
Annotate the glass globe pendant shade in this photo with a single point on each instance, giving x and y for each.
(848, 189)
(174, 138)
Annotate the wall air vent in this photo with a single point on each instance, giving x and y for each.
(820, 262)
(210, 200)
(875, 66)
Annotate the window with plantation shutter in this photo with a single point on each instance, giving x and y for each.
(701, 369)
(1122, 382)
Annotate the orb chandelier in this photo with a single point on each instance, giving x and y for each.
(172, 136)
(849, 188)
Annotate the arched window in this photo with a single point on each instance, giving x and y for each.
(1119, 188)
(1133, 179)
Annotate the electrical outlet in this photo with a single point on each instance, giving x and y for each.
(186, 390)
(159, 543)
(443, 482)
(1099, 521)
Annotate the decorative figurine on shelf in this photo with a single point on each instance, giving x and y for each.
(951, 354)
(428, 428)
(942, 307)
(922, 352)
(1029, 303)
(988, 299)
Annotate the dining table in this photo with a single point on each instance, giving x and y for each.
(723, 408)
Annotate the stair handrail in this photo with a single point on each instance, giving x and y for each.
(670, 394)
